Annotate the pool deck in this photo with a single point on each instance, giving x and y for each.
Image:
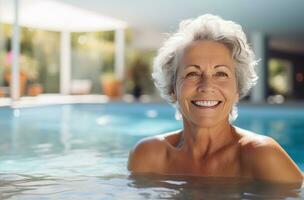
(50, 99)
(42, 100)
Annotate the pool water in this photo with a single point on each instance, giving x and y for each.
(80, 151)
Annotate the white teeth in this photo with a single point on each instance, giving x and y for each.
(206, 103)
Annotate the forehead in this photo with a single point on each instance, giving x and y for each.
(206, 52)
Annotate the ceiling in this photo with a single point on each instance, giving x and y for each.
(273, 17)
(63, 16)
(280, 20)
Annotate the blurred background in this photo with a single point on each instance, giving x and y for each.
(77, 47)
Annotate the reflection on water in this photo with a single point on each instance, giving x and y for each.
(212, 188)
(142, 187)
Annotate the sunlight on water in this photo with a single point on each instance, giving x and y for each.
(81, 152)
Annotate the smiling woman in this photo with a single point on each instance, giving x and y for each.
(203, 70)
(206, 83)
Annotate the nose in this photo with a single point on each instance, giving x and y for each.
(205, 84)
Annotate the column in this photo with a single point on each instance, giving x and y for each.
(119, 53)
(15, 84)
(259, 45)
(65, 63)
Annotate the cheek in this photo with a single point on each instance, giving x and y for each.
(230, 90)
(182, 89)
(228, 85)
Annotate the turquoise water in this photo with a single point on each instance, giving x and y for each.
(80, 152)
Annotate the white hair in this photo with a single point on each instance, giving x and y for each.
(206, 27)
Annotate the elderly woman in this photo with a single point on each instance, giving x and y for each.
(203, 70)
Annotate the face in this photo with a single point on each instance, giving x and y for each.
(206, 86)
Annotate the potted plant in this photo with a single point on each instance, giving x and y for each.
(111, 85)
(7, 73)
(31, 66)
(28, 74)
(22, 80)
(34, 89)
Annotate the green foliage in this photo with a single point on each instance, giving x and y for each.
(39, 55)
(101, 42)
(278, 78)
(40, 58)
(139, 68)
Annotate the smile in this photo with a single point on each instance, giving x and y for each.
(206, 104)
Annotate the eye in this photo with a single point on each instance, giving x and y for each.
(192, 74)
(221, 74)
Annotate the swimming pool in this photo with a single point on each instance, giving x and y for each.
(79, 151)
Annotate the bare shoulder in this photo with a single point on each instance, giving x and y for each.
(267, 159)
(148, 155)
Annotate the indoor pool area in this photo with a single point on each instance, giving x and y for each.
(80, 151)
(83, 81)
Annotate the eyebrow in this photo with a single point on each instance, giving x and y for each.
(191, 65)
(198, 67)
(217, 66)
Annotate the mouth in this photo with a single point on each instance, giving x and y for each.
(206, 103)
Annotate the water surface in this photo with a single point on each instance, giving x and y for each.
(80, 152)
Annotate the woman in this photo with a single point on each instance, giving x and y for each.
(204, 69)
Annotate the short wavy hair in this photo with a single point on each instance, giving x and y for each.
(206, 27)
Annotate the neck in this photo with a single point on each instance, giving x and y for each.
(201, 142)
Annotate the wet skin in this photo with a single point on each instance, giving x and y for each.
(208, 145)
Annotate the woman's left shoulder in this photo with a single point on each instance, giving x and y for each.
(267, 159)
(253, 142)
